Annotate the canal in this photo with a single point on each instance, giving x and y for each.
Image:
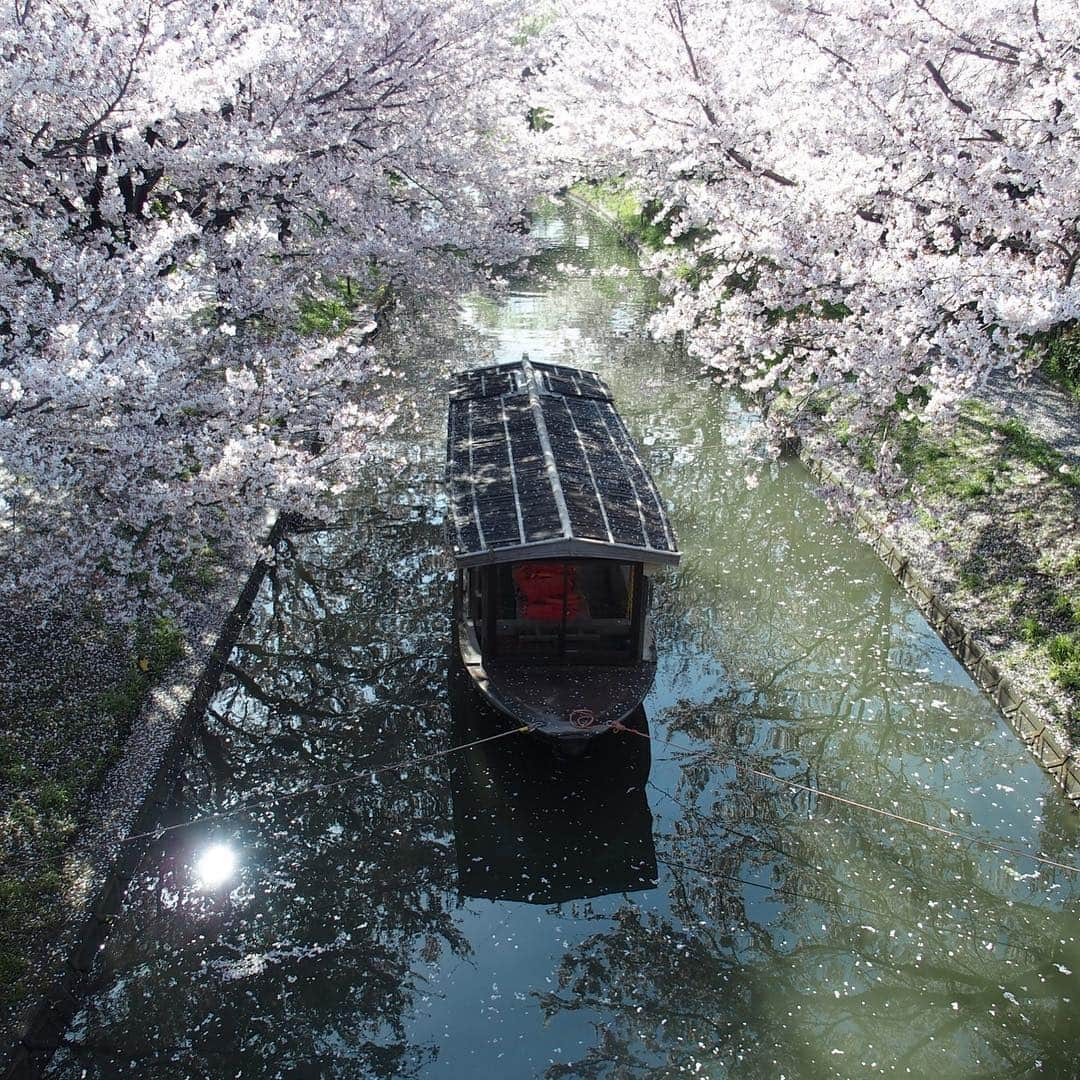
(661, 909)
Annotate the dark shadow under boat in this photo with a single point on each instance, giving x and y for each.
(534, 829)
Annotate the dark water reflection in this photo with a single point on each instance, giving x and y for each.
(531, 828)
(786, 935)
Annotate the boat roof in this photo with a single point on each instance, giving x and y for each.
(540, 465)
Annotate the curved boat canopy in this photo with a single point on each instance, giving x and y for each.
(541, 466)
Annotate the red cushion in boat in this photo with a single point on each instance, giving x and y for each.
(550, 609)
(541, 588)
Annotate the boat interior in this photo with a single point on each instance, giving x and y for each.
(563, 611)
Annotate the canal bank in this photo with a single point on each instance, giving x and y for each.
(97, 723)
(59, 951)
(989, 567)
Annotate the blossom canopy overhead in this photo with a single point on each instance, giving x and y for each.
(178, 178)
(874, 202)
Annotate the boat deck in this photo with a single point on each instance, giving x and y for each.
(567, 701)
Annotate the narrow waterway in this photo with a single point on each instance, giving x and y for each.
(655, 911)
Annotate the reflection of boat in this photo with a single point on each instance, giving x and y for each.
(526, 829)
(557, 529)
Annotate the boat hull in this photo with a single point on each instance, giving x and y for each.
(570, 704)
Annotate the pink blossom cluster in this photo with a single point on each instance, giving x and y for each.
(177, 177)
(870, 202)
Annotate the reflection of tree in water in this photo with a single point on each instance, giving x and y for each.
(670, 994)
(808, 939)
(308, 965)
(821, 948)
(778, 637)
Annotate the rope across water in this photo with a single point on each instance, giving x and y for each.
(394, 766)
(843, 800)
(398, 766)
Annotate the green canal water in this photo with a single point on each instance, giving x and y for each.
(659, 909)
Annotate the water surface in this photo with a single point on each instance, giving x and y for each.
(662, 909)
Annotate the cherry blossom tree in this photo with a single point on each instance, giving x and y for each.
(872, 204)
(177, 179)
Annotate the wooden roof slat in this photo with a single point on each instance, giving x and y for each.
(472, 487)
(549, 458)
(539, 462)
(629, 479)
(513, 471)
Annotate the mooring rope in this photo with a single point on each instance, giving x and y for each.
(843, 800)
(394, 766)
(830, 888)
(407, 763)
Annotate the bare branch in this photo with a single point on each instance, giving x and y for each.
(992, 135)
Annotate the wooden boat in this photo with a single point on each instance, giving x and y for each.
(557, 532)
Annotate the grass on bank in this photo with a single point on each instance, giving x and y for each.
(336, 305)
(981, 456)
(1010, 504)
(1061, 357)
(635, 219)
(58, 747)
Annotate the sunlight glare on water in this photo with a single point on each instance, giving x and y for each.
(215, 866)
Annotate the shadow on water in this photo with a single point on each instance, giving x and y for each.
(530, 828)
